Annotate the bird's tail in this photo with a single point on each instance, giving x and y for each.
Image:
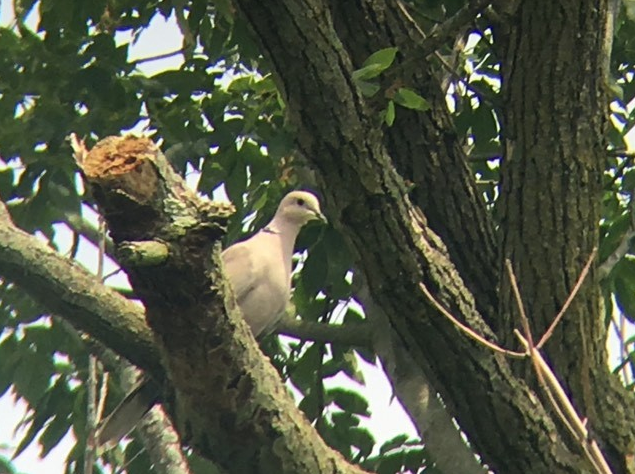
(129, 412)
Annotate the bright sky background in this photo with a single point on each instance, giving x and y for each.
(388, 418)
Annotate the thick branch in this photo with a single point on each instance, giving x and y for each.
(424, 146)
(358, 334)
(434, 424)
(66, 289)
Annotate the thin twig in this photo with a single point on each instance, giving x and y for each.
(496, 155)
(565, 307)
(79, 148)
(525, 324)
(545, 387)
(449, 69)
(157, 57)
(620, 331)
(519, 302)
(452, 25)
(467, 330)
(91, 418)
(103, 393)
(589, 445)
(622, 249)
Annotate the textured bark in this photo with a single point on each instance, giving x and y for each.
(395, 248)
(227, 400)
(556, 112)
(424, 148)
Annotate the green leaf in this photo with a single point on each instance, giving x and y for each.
(376, 63)
(348, 400)
(628, 181)
(614, 235)
(53, 434)
(624, 284)
(6, 467)
(411, 100)
(315, 270)
(303, 373)
(368, 89)
(362, 439)
(393, 443)
(389, 113)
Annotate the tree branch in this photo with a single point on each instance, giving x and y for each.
(420, 400)
(451, 26)
(355, 334)
(66, 289)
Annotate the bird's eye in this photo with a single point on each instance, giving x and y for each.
(300, 202)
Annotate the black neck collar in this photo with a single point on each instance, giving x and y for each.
(269, 230)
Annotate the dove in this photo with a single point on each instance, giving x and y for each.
(259, 272)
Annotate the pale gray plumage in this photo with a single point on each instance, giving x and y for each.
(259, 271)
(259, 268)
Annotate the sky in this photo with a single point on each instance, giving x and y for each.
(388, 418)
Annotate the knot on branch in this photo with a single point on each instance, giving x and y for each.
(149, 253)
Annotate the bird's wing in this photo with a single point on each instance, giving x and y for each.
(241, 269)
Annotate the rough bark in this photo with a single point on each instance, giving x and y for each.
(394, 246)
(556, 112)
(424, 148)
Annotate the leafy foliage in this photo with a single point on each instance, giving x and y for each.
(220, 114)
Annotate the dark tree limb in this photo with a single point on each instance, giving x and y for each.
(354, 334)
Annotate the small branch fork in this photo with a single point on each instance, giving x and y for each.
(546, 378)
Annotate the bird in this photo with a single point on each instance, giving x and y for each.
(259, 271)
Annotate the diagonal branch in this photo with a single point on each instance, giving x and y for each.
(66, 289)
(452, 26)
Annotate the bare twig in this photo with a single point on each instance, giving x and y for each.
(622, 249)
(157, 57)
(79, 148)
(103, 393)
(452, 25)
(449, 69)
(620, 328)
(519, 302)
(498, 154)
(545, 387)
(567, 303)
(526, 327)
(95, 402)
(547, 379)
(91, 418)
(572, 418)
(467, 330)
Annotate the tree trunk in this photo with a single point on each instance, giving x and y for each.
(555, 116)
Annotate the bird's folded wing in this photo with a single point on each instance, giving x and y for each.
(241, 269)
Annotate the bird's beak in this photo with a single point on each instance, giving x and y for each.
(321, 217)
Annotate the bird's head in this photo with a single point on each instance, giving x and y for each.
(300, 207)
